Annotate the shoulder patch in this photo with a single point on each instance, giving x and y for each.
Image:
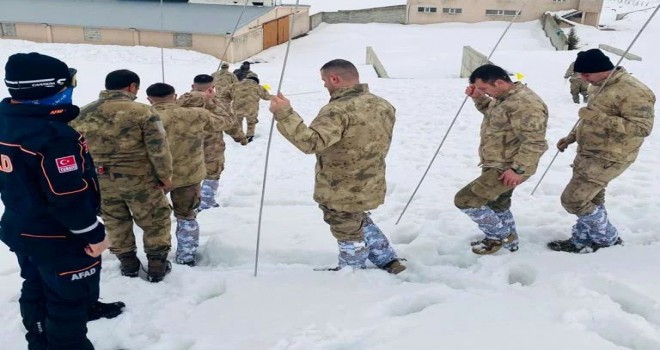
(66, 164)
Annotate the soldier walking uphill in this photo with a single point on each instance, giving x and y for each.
(50, 193)
(186, 130)
(244, 97)
(351, 137)
(203, 95)
(609, 135)
(578, 86)
(134, 166)
(243, 71)
(512, 142)
(223, 78)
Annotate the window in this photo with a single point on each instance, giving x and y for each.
(8, 30)
(182, 40)
(502, 12)
(452, 10)
(91, 34)
(427, 9)
(559, 0)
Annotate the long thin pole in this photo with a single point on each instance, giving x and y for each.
(591, 98)
(270, 137)
(162, 50)
(231, 38)
(451, 125)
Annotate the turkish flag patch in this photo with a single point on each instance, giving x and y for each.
(66, 164)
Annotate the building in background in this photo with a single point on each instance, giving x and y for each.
(204, 28)
(472, 11)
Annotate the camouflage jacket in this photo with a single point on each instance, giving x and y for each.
(223, 120)
(570, 73)
(626, 118)
(125, 137)
(222, 79)
(513, 129)
(186, 129)
(351, 137)
(244, 97)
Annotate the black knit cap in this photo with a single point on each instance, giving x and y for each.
(592, 61)
(203, 79)
(33, 76)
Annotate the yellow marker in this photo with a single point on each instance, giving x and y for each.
(520, 76)
(267, 87)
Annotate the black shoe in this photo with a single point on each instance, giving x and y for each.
(98, 310)
(130, 264)
(250, 138)
(157, 269)
(570, 247)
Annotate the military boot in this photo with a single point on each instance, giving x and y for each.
(576, 99)
(129, 264)
(571, 246)
(488, 246)
(158, 268)
(585, 98)
(98, 310)
(394, 267)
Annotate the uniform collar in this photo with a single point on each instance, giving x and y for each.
(349, 91)
(517, 87)
(117, 95)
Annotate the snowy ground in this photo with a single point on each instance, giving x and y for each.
(449, 298)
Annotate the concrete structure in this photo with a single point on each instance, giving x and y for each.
(388, 14)
(200, 27)
(614, 50)
(373, 60)
(553, 31)
(472, 59)
(472, 11)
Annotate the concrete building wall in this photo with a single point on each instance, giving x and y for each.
(247, 42)
(472, 11)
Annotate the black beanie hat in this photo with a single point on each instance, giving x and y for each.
(592, 61)
(33, 76)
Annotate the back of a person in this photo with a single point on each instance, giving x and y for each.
(626, 97)
(245, 95)
(186, 129)
(358, 159)
(113, 131)
(222, 79)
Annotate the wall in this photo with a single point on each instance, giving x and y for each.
(373, 60)
(557, 37)
(472, 59)
(475, 10)
(247, 42)
(389, 14)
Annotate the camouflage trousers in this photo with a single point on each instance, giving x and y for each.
(578, 87)
(486, 190)
(586, 190)
(344, 226)
(214, 156)
(358, 238)
(252, 121)
(135, 198)
(185, 201)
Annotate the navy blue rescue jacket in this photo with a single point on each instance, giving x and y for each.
(48, 182)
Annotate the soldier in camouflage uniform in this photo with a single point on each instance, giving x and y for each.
(351, 137)
(512, 142)
(202, 95)
(242, 72)
(578, 86)
(134, 167)
(223, 78)
(610, 133)
(186, 127)
(244, 97)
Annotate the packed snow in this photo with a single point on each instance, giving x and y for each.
(449, 298)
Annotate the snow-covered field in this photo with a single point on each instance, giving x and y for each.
(449, 298)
